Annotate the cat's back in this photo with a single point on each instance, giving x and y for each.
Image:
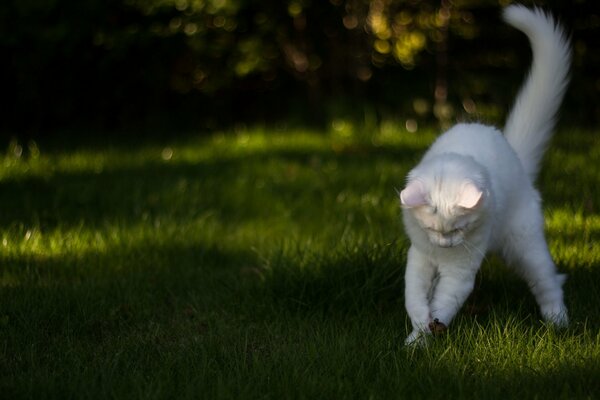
(483, 143)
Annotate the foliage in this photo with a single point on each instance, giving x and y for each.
(116, 63)
(268, 264)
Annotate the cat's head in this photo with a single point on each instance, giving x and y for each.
(447, 206)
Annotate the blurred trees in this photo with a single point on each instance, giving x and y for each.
(120, 63)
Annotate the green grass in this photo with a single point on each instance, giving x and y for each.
(266, 264)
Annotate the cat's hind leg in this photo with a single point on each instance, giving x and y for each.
(525, 248)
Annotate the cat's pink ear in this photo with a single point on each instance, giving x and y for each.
(414, 194)
(469, 196)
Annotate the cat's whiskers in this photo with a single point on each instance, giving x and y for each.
(469, 247)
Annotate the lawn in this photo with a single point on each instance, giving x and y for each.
(268, 263)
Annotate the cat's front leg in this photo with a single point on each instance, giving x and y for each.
(455, 284)
(418, 280)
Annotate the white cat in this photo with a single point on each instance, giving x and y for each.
(473, 192)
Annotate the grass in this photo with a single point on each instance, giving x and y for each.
(266, 264)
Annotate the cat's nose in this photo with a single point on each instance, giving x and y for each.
(445, 243)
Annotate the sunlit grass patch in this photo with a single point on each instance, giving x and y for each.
(574, 238)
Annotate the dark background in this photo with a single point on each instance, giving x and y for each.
(139, 66)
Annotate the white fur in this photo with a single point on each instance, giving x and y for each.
(531, 121)
(473, 193)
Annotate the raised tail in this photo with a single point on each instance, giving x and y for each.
(531, 121)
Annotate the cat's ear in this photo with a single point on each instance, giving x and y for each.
(470, 195)
(414, 194)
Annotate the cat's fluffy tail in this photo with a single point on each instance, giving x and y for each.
(532, 118)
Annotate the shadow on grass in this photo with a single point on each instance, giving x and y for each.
(93, 298)
(370, 280)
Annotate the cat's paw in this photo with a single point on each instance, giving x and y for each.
(556, 316)
(417, 338)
